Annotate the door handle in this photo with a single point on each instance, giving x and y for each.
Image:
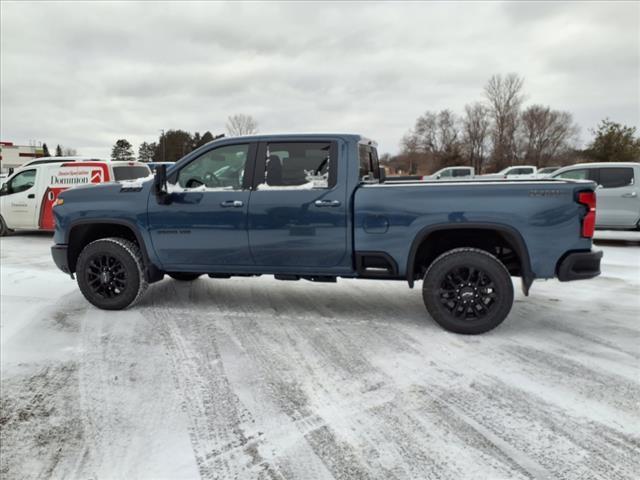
(31, 195)
(232, 203)
(327, 203)
(630, 195)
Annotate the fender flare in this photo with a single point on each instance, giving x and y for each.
(509, 233)
(152, 272)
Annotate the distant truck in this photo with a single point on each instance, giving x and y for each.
(617, 191)
(28, 195)
(514, 172)
(317, 207)
(446, 173)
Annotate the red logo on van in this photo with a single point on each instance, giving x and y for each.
(96, 176)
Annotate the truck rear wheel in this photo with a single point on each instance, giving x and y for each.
(110, 273)
(184, 276)
(468, 291)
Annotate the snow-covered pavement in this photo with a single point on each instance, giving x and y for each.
(256, 378)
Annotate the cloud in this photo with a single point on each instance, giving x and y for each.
(85, 74)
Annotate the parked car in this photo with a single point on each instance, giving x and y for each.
(316, 207)
(546, 171)
(617, 192)
(27, 197)
(514, 172)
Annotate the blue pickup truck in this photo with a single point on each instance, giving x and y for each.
(318, 207)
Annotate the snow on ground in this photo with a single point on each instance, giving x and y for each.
(256, 378)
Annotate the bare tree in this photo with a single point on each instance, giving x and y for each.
(69, 152)
(546, 133)
(434, 141)
(241, 124)
(476, 132)
(505, 97)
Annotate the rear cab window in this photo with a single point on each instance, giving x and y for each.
(369, 166)
(130, 172)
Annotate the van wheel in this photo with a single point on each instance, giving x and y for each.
(4, 230)
(468, 291)
(110, 273)
(184, 276)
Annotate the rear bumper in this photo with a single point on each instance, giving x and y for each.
(59, 254)
(579, 266)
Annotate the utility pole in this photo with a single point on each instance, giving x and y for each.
(163, 140)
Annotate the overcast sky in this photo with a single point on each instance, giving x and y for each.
(86, 74)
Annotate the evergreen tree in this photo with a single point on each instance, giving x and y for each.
(614, 142)
(58, 151)
(147, 151)
(45, 150)
(122, 151)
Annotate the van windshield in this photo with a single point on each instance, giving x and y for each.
(128, 172)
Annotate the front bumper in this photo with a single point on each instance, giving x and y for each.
(579, 266)
(59, 254)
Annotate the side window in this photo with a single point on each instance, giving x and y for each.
(368, 161)
(582, 174)
(461, 172)
(300, 165)
(616, 177)
(447, 173)
(221, 168)
(22, 181)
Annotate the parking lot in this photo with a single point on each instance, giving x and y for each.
(256, 378)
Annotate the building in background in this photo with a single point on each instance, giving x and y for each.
(13, 156)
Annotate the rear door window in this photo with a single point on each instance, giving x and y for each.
(615, 177)
(300, 165)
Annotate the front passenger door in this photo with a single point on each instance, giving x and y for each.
(19, 203)
(203, 227)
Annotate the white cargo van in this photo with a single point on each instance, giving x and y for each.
(27, 196)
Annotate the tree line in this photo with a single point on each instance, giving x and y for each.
(496, 132)
(172, 144)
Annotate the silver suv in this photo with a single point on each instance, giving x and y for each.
(617, 194)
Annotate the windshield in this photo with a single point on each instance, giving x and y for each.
(128, 172)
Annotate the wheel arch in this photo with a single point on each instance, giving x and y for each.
(82, 232)
(510, 235)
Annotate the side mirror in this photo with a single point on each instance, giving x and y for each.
(4, 189)
(160, 184)
(438, 177)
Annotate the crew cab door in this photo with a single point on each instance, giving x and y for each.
(298, 208)
(618, 203)
(18, 197)
(204, 223)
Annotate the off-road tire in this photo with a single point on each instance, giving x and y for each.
(127, 254)
(494, 287)
(184, 276)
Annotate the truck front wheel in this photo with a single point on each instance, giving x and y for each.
(468, 291)
(110, 273)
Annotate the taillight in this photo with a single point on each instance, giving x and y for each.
(588, 199)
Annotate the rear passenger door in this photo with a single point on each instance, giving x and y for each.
(618, 204)
(298, 208)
